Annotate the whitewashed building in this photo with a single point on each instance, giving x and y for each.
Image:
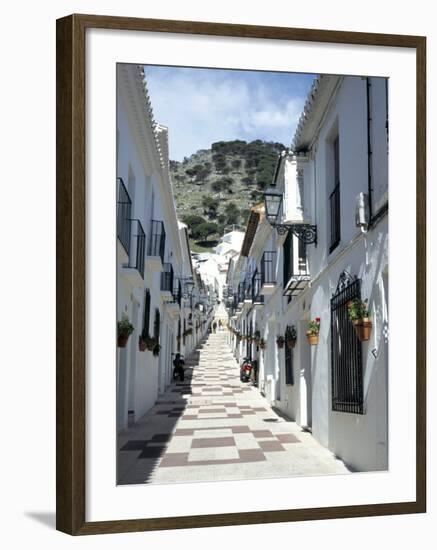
(327, 245)
(156, 283)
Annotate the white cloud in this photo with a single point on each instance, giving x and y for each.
(201, 107)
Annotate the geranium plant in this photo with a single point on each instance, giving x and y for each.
(358, 309)
(314, 326)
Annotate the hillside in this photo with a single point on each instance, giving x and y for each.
(216, 187)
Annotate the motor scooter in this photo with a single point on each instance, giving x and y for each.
(245, 369)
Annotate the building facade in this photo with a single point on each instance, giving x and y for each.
(158, 291)
(324, 247)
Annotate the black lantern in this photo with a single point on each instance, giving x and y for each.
(272, 202)
(306, 233)
(189, 285)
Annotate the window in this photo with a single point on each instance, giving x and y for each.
(334, 199)
(146, 318)
(346, 360)
(289, 375)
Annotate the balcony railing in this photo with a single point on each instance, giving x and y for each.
(167, 277)
(157, 239)
(257, 297)
(268, 268)
(137, 249)
(177, 291)
(334, 208)
(124, 213)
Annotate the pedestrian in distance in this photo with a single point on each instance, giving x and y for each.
(178, 371)
(214, 326)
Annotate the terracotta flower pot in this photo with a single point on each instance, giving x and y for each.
(280, 343)
(363, 329)
(122, 340)
(313, 339)
(291, 343)
(142, 346)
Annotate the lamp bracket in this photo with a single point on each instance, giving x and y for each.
(304, 232)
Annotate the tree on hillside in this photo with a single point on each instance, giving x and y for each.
(193, 221)
(206, 229)
(232, 213)
(210, 206)
(222, 184)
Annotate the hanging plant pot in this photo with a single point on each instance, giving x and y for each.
(262, 344)
(122, 340)
(142, 344)
(313, 339)
(280, 341)
(363, 329)
(291, 342)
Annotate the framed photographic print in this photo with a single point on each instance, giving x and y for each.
(241, 232)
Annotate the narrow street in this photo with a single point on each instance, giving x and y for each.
(214, 427)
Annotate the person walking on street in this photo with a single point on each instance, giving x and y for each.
(178, 367)
(214, 326)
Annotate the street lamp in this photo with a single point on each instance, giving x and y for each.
(189, 285)
(305, 232)
(273, 202)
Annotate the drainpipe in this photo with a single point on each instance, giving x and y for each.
(369, 149)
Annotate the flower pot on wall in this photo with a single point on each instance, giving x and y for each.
(291, 343)
(142, 344)
(122, 340)
(363, 329)
(313, 339)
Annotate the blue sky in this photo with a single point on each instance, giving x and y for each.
(201, 106)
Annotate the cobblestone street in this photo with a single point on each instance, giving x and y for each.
(214, 427)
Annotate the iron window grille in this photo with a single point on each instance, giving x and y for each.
(346, 357)
(157, 239)
(167, 277)
(268, 265)
(124, 209)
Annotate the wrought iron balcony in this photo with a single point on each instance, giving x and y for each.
(124, 214)
(257, 297)
(268, 272)
(157, 239)
(167, 282)
(296, 272)
(137, 247)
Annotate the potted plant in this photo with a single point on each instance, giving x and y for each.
(262, 343)
(280, 341)
(124, 330)
(142, 341)
(156, 349)
(313, 331)
(360, 316)
(257, 336)
(291, 336)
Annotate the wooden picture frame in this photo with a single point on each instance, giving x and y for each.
(71, 253)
